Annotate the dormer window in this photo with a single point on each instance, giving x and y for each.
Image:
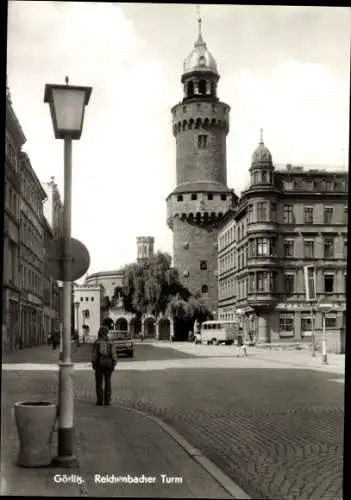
(202, 61)
(180, 197)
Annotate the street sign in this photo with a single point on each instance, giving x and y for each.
(54, 259)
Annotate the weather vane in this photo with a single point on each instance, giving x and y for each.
(198, 17)
(261, 135)
(66, 80)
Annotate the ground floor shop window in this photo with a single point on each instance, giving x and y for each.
(330, 322)
(286, 325)
(306, 326)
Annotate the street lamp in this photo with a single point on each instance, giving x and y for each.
(76, 305)
(67, 105)
(324, 308)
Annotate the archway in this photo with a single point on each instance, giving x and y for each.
(109, 323)
(122, 325)
(149, 327)
(135, 327)
(164, 329)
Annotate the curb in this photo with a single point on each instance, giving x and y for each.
(222, 479)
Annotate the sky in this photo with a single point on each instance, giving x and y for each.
(283, 69)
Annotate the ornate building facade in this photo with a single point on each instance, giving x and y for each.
(285, 220)
(53, 207)
(201, 197)
(31, 254)
(14, 140)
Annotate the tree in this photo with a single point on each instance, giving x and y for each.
(154, 287)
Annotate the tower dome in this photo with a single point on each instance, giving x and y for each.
(261, 154)
(200, 59)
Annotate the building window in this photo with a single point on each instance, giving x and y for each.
(180, 197)
(309, 185)
(264, 177)
(328, 283)
(194, 197)
(204, 289)
(223, 197)
(262, 246)
(288, 214)
(330, 321)
(345, 249)
(289, 285)
(288, 185)
(286, 325)
(261, 211)
(203, 265)
(202, 142)
(92, 299)
(328, 215)
(273, 212)
(306, 325)
(288, 248)
(328, 248)
(346, 217)
(81, 299)
(308, 215)
(210, 196)
(250, 214)
(260, 281)
(86, 298)
(308, 249)
(329, 186)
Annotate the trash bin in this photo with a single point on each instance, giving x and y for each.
(35, 421)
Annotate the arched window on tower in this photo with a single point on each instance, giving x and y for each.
(190, 89)
(202, 87)
(213, 89)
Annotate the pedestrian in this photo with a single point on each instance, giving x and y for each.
(241, 346)
(103, 360)
(76, 338)
(55, 339)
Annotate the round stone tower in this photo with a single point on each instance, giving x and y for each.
(145, 247)
(201, 198)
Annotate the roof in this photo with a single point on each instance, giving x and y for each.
(196, 186)
(101, 274)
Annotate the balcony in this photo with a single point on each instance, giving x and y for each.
(263, 261)
(262, 227)
(261, 299)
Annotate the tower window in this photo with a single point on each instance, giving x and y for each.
(202, 87)
(202, 142)
(203, 265)
(223, 197)
(194, 197)
(190, 89)
(210, 196)
(180, 197)
(204, 289)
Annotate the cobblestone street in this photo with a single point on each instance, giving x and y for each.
(276, 433)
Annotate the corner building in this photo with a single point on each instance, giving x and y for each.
(286, 219)
(201, 197)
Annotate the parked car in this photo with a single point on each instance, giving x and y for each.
(122, 341)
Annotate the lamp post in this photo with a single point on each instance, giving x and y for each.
(324, 308)
(76, 306)
(67, 105)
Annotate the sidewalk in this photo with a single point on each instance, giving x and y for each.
(287, 358)
(114, 443)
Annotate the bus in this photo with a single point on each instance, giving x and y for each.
(219, 332)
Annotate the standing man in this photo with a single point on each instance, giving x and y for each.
(103, 360)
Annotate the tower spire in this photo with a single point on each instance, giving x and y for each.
(200, 40)
(261, 135)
